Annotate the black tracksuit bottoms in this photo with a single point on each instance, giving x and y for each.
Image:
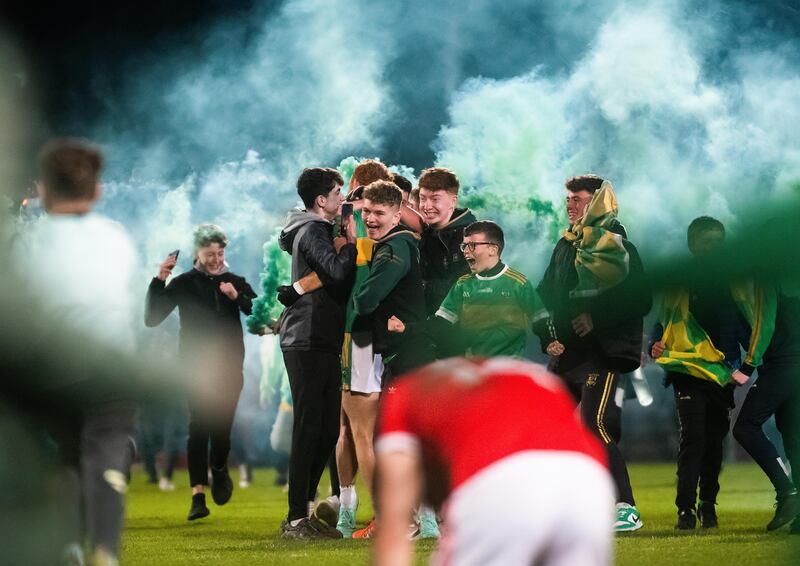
(210, 424)
(704, 417)
(776, 391)
(315, 380)
(594, 385)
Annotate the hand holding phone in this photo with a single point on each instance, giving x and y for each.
(166, 267)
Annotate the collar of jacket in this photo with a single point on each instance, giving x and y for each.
(399, 230)
(461, 216)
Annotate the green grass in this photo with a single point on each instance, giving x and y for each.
(245, 530)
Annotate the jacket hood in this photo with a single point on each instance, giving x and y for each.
(297, 218)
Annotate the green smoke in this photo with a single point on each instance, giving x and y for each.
(276, 272)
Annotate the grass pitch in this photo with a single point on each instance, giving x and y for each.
(246, 530)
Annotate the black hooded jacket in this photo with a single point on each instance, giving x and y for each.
(617, 313)
(206, 313)
(316, 320)
(441, 259)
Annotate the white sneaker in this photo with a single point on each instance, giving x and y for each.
(628, 518)
(165, 484)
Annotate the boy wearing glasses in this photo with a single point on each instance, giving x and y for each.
(493, 306)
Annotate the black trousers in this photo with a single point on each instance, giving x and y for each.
(315, 379)
(776, 391)
(94, 442)
(704, 417)
(210, 423)
(594, 385)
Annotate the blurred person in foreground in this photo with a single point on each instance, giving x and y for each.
(524, 485)
(697, 341)
(209, 299)
(81, 266)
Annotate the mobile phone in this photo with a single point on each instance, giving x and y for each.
(347, 213)
(174, 254)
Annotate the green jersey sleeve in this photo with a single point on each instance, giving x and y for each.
(450, 309)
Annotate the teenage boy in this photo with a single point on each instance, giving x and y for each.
(209, 299)
(440, 246)
(699, 371)
(312, 330)
(81, 265)
(595, 290)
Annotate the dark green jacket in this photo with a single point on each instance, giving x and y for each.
(394, 288)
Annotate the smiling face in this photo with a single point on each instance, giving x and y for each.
(576, 204)
(481, 254)
(436, 206)
(211, 258)
(379, 218)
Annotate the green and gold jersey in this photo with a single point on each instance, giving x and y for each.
(494, 310)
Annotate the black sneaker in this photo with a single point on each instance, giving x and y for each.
(327, 530)
(306, 529)
(221, 485)
(708, 515)
(787, 507)
(198, 509)
(686, 519)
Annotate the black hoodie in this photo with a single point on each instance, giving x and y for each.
(316, 320)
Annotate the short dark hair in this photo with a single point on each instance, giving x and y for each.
(369, 171)
(402, 183)
(491, 230)
(69, 168)
(589, 183)
(383, 192)
(317, 181)
(439, 179)
(703, 224)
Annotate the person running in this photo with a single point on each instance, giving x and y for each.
(81, 265)
(697, 341)
(595, 290)
(209, 299)
(498, 442)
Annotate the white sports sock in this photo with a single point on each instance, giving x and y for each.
(348, 496)
(310, 508)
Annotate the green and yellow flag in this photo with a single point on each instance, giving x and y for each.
(601, 259)
(689, 350)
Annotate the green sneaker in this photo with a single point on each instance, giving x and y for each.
(347, 522)
(428, 527)
(628, 518)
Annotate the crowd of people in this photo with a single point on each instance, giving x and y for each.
(402, 340)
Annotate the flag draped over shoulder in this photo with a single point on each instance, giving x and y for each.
(601, 259)
(687, 347)
(689, 350)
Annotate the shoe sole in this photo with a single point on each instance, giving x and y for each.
(200, 515)
(326, 514)
(639, 524)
